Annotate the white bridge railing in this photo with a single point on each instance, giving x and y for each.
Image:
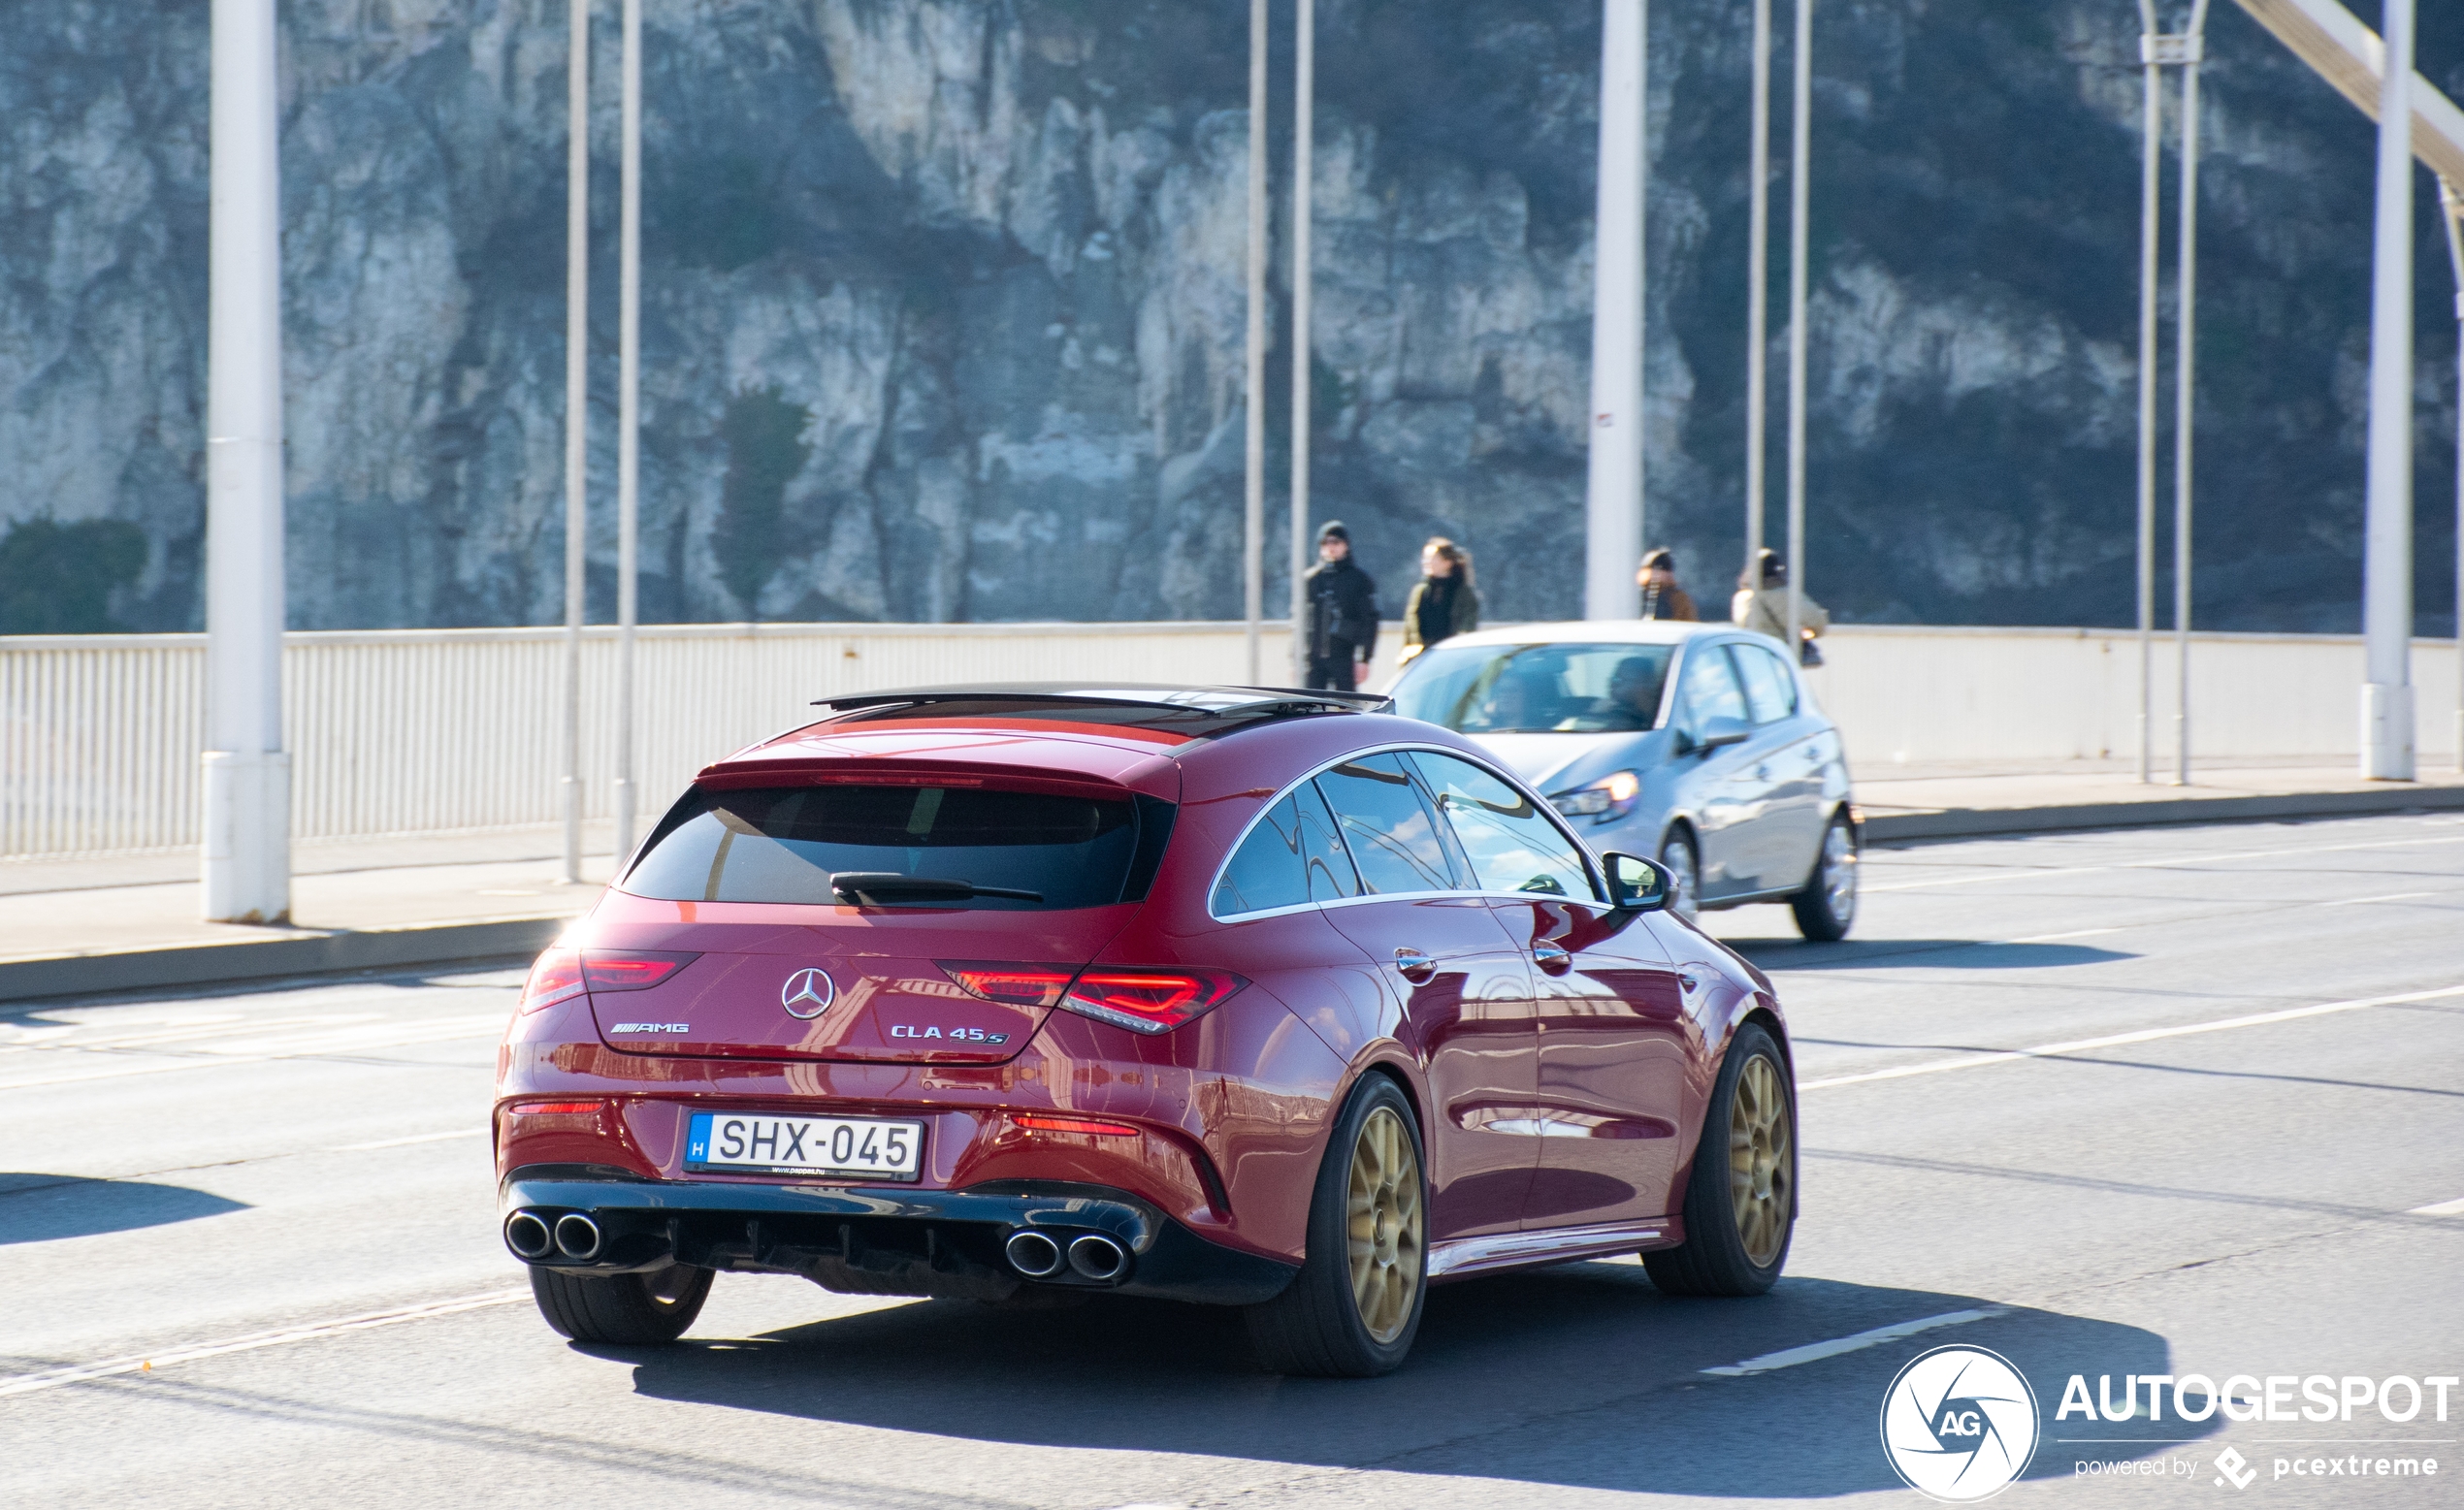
(424, 731)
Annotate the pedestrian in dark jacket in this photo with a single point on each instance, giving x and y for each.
(1342, 613)
(1444, 603)
(1662, 598)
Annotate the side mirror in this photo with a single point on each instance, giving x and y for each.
(1636, 884)
(1721, 731)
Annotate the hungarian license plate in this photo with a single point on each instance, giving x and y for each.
(867, 1146)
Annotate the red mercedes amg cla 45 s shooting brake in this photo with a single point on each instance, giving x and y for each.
(1223, 995)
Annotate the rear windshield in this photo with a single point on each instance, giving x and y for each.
(1534, 688)
(781, 843)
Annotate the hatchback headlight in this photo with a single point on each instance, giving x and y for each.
(1606, 800)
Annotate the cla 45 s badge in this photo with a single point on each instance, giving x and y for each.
(958, 1035)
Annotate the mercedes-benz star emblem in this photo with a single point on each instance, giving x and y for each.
(807, 993)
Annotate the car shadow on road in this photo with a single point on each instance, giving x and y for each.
(42, 1208)
(1918, 953)
(1582, 1376)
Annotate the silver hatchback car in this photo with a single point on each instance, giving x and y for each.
(1697, 743)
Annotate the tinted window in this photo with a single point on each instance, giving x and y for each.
(1502, 689)
(781, 843)
(1770, 690)
(1290, 857)
(1710, 691)
(1511, 846)
(1388, 826)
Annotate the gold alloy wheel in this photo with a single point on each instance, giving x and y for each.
(1386, 1225)
(1761, 1163)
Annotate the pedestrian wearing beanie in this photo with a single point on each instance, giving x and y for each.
(1444, 603)
(1342, 613)
(1764, 608)
(1662, 598)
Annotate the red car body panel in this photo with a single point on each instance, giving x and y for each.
(1557, 1057)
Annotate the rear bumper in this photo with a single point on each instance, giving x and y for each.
(872, 1239)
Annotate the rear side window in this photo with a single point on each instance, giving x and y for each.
(1388, 826)
(1292, 857)
(1769, 690)
(1513, 846)
(782, 844)
(1710, 689)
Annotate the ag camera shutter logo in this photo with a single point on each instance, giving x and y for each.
(1959, 1424)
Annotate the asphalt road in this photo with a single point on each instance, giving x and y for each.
(2159, 1103)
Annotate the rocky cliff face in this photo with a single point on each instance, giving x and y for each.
(943, 305)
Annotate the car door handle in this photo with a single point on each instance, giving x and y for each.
(1763, 773)
(1549, 958)
(1414, 966)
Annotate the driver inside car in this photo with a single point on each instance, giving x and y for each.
(1632, 700)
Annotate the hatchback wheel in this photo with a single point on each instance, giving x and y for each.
(1740, 1200)
(624, 1310)
(1676, 852)
(1354, 1307)
(1829, 903)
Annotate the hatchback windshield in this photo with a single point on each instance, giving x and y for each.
(783, 844)
(1528, 689)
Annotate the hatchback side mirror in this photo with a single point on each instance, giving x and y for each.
(1718, 732)
(1636, 884)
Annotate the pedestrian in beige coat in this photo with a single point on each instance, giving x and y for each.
(1764, 608)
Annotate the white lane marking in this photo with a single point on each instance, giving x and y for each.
(2076, 933)
(1813, 1352)
(2392, 896)
(404, 1143)
(348, 1041)
(2175, 859)
(2443, 1209)
(220, 1030)
(55, 1378)
(2114, 1040)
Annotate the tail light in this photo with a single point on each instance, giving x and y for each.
(1041, 1123)
(629, 970)
(551, 1108)
(1011, 985)
(557, 977)
(562, 974)
(1149, 1001)
(1143, 1001)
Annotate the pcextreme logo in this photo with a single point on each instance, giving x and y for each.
(1959, 1424)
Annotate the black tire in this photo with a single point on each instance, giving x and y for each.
(622, 1311)
(1828, 906)
(1317, 1327)
(1684, 859)
(1715, 1259)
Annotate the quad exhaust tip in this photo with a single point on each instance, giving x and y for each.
(578, 1236)
(1033, 1254)
(1097, 1257)
(528, 1235)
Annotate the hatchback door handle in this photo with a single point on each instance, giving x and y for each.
(1549, 958)
(1415, 966)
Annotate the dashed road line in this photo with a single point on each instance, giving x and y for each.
(82, 1373)
(1814, 1352)
(2116, 1039)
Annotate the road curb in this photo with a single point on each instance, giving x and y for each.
(1972, 822)
(258, 959)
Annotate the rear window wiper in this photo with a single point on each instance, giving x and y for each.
(878, 887)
